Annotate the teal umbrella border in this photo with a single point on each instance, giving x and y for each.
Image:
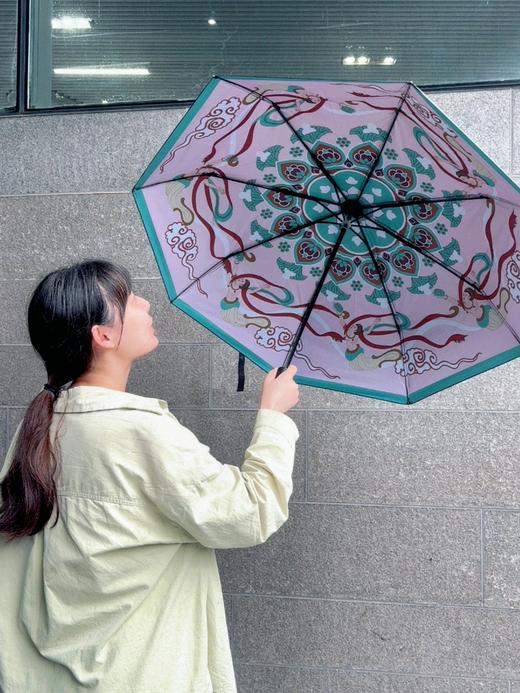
(140, 201)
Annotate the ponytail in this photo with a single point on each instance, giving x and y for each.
(29, 488)
(64, 307)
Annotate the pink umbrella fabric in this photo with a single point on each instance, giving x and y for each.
(348, 227)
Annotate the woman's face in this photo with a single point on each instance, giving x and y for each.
(138, 336)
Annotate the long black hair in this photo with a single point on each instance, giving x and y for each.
(61, 313)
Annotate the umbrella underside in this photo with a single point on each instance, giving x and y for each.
(350, 228)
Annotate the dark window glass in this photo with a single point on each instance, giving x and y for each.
(113, 51)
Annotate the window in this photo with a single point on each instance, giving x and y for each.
(109, 52)
(8, 54)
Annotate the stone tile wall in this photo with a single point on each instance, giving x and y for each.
(399, 567)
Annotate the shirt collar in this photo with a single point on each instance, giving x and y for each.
(83, 398)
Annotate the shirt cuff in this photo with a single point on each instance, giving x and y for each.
(279, 421)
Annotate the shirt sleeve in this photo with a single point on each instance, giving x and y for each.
(224, 506)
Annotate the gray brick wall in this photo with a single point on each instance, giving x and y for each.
(399, 566)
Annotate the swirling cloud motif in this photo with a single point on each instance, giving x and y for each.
(513, 277)
(183, 244)
(280, 339)
(277, 338)
(217, 118)
(417, 361)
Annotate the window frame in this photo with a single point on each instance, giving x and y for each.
(22, 84)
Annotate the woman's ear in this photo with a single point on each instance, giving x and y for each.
(102, 335)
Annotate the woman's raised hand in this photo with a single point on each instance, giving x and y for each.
(280, 393)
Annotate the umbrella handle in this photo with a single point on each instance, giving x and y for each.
(280, 370)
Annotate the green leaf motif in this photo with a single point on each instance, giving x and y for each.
(310, 136)
(262, 234)
(448, 208)
(453, 248)
(290, 270)
(415, 159)
(330, 289)
(418, 282)
(251, 197)
(366, 134)
(379, 294)
(268, 157)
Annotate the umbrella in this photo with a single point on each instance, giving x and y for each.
(348, 226)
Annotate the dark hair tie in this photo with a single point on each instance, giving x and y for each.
(55, 390)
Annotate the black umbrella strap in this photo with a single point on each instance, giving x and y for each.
(241, 374)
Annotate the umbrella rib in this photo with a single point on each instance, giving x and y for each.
(318, 163)
(473, 285)
(310, 305)
(374, 165)
(420, 250)
(273, 188)
(417, 203)
(255, 245)
(390, 305)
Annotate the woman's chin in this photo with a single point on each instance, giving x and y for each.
(144, 352)
(153, 344)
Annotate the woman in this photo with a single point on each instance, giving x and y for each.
(111, 509)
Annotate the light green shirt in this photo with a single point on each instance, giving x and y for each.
(124, 594)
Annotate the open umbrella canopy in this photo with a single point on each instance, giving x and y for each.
(349, 227)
